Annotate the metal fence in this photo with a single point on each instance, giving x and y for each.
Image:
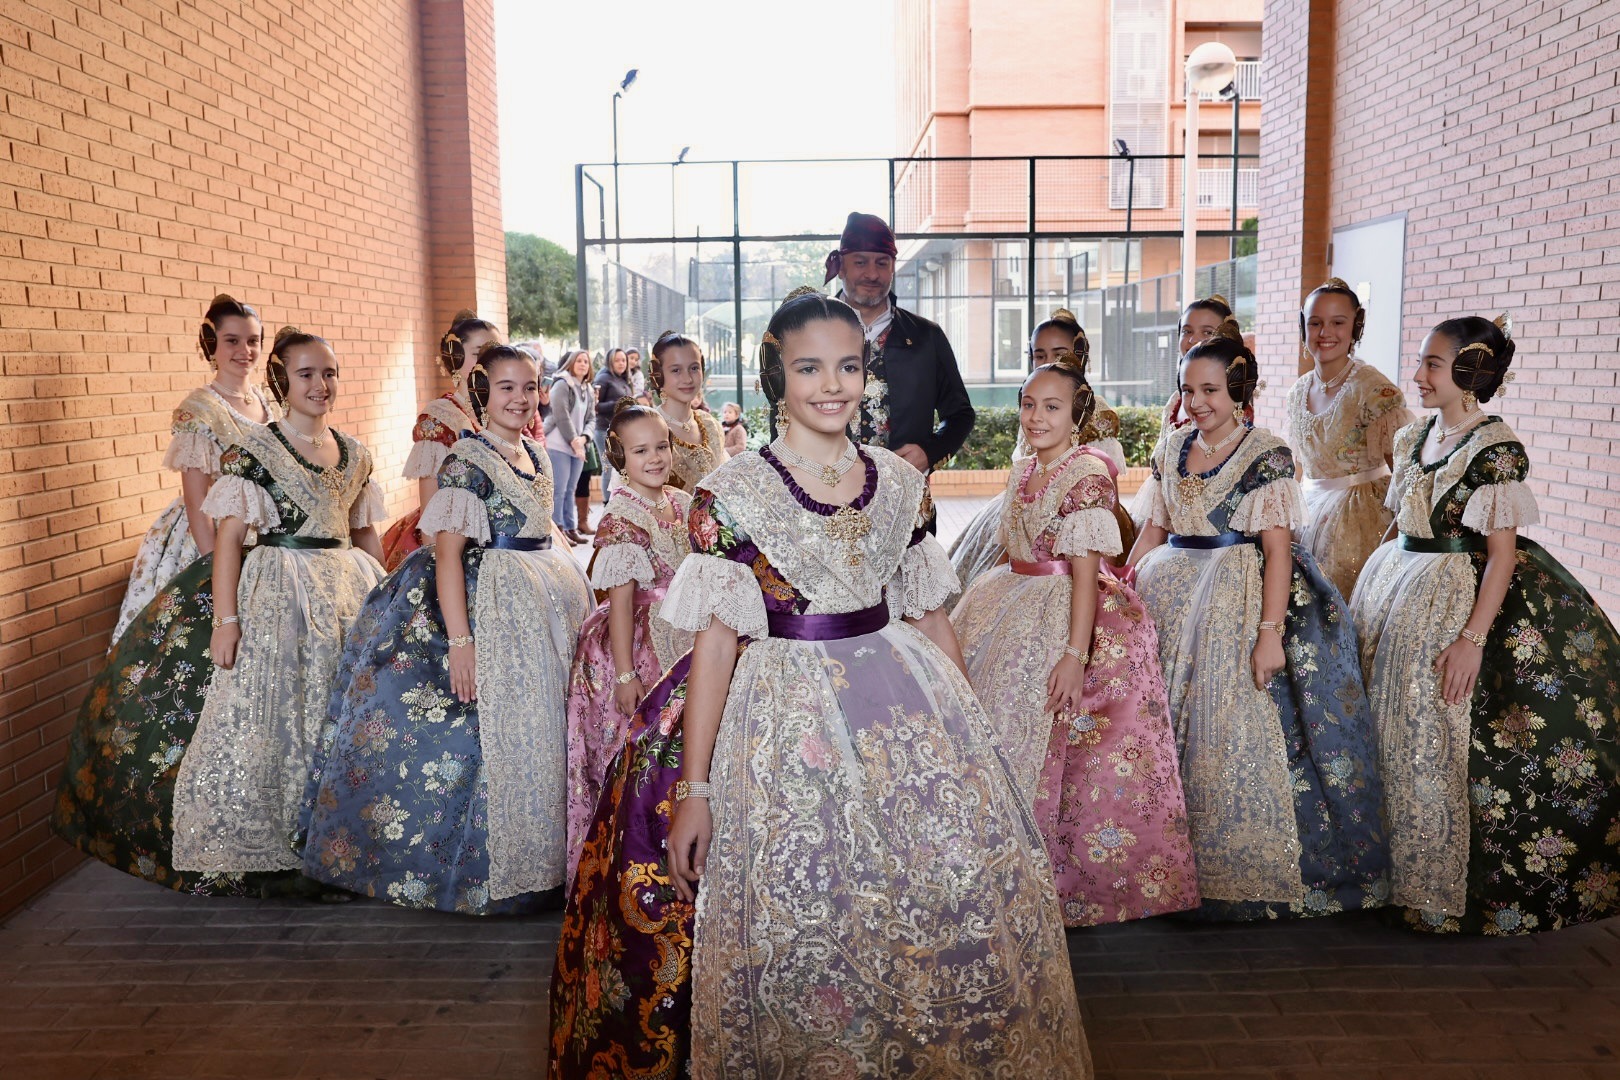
(988, 247)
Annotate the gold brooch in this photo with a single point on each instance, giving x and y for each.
(849, 527)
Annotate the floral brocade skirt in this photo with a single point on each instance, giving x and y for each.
(116, 798)
(1505, 810)
(166, 549)
(1104, 783)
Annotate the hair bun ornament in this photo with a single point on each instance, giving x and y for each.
(1068, 358)
(463, 315)
(802, 290)
(1336, 283)
(222, 298)
(1219, 299)
(1230, 330)
(624, 404)
(282, 335)
(1504, 323)
(1066, 315)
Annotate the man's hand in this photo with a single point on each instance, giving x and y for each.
(915, 456)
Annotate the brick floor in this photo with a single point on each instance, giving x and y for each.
(107, 976)
(104, 976)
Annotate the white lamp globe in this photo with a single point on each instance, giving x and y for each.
(1211, 67)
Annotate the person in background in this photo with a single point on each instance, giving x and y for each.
(736, 429)
(914, 402)
(567, 428)
(612, 383)
(638, 377)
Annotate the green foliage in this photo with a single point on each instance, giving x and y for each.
(995, 433)
(541, 294)
(1250, 244)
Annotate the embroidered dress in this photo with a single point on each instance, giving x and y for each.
(980, 545)
(873, 425)
(1104, 782)
(876, 899)
(632, 545)
(693, 461)
(1283, 793)
(202, 426)
(421, 799)
(1504, 810)
(241, 781)
(438, 427)
(1345, 452)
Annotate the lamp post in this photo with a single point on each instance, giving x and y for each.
(674, 167)
(624, 87)
(1210, 67)
(1231, 92)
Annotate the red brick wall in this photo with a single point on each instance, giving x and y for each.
(1491, 124)
(151, 155)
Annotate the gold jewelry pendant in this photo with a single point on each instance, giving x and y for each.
(1191, 490)
(849, 527)
(332, 479)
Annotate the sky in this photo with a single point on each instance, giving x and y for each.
(731, 79)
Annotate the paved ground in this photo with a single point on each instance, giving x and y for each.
(105, 976)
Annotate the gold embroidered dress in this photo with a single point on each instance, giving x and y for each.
(693, 461)
(1345, 453)
(203, 425)
(877, 900)
(1505, 809)
(1296, 828)
(242, 779)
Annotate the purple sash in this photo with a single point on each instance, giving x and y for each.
(828, 627)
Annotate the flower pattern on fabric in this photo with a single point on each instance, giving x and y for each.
(437, 427)
(1530, 773)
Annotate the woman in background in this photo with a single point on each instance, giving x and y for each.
(567, 430)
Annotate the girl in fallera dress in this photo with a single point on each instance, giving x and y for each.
(295, 555)
(438, 427)
(697, 442)
(624, 646)
(206, 422)
(1343, 416)
(980, 546)
(116, 797)
(442, 779)
(1260, 661)
(1199, 322)
(1494, 676)
(875, 899)
(1067, 663)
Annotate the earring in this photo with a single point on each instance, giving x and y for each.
(1074, 435)
(455, 380)
(782, 420)
(1470, 402)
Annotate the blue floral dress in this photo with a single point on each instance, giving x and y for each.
(1296, 828)
(419, 798)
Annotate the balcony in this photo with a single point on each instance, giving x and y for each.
(1215, 188)
(1247, 79)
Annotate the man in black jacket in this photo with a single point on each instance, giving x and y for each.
(915, 403)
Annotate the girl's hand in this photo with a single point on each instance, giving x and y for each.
(628, 695)
(690, 830)
(1458, 668)
(1065, 685)
(222, 646)
(1268, 658)
(464, 673)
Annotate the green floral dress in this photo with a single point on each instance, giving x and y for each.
(1504, 810)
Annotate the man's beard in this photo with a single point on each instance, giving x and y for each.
(866, 295)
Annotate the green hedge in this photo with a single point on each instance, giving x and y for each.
(990, 445)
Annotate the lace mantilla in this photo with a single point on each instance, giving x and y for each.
(670, 543)
(708, 586)
(1027, 522)
(694, 461)
(1178, 510)
(533, 498)
(202, 426)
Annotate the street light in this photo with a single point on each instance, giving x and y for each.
(624, 88)
(1231, 93)
(1209, 69)
(1124, 151)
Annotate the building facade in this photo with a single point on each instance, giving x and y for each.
(332, 163)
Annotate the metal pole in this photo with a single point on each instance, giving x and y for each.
(1029, 273)
(1130, 207)
(616, 252)
(581, 286)
(736, 273)
(1237, 119)
(891, 194)
(1189, 196)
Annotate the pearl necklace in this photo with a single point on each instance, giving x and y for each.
(684, 425)
(515, 449)
(236, 395)
(655, 508)
(829, 475)
(1213, 450)
(1462, 425)
(1350, 365)
(1042, 470)
(317, 441)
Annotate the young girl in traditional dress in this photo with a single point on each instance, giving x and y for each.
(206, 422)
(294, 558)
(980, 545)
(1199, 322)
(442, 781)
(1067, 663)
(696, 440)
(1343, 416)
(438, 427)
(624, 646)
(875, 899)
(1493, 674)
(1278, 757)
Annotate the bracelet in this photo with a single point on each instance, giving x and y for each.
(1275, 626)
(626, 677)
(1084, 658)
(1472, 638)
(461, 642)
(221, 620)
(692, 789)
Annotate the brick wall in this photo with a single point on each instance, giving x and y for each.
(1491, 124)
(332, 162)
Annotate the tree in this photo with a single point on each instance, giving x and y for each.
(1250, 244)
(541, 293)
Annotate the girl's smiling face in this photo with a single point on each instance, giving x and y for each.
(1046, 410)
(824, 369)
(1204, 394)
(312, 379)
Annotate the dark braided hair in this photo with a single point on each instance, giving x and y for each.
(1484, 351)
(452, 353)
